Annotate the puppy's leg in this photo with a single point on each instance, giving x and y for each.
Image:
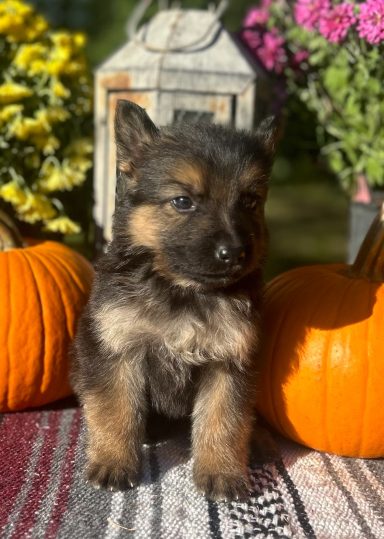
(222, 422)
(115, 417)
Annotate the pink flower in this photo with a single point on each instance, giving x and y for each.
(308, 12)
(252, 38)
(299, 57)
(271, 52)
(335, 23)
(371, 21)
(257, 15)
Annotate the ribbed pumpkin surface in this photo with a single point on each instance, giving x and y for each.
(322, 379)
(42, 291)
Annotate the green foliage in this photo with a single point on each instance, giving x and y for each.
(342, 84)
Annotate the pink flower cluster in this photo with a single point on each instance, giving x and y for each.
(334, 21)
(371, 21)
(257, 15)
(308, 12)
(268, 48)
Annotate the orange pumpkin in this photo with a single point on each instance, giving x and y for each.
(322, 374)
(42, 291)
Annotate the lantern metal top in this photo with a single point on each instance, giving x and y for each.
(183, 50)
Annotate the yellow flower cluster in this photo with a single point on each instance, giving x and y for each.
(11, 192)
(56, 176)
(31, 58)
(19, 22)
(38, 129)
(9, 112)
(59, 90)
(60, 56)
(36, 207)
(31, 207)
(45, 99)
(12, 91)
(63, 225)
(63, 58)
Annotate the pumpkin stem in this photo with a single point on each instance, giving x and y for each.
(369, 262)
(10, 237)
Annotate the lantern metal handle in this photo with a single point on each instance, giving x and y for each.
(143, 5)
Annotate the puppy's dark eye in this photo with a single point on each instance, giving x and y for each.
(183, 204)
(251, 202)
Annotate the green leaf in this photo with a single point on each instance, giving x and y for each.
(374, 171)
(317, 58)
(336, 81)
(374, 86)
(336, 161)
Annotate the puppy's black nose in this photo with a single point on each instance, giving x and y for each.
(230, 255)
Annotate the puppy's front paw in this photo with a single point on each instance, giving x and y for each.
(221, 486)
(111, 476)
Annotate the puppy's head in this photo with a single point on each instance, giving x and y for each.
(192, 196)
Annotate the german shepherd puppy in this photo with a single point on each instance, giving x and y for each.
(173, 318)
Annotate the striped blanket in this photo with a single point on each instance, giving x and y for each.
(304, 494)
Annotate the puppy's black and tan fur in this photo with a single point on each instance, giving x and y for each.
(172, 322)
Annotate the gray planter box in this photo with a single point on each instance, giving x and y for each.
(360, 219)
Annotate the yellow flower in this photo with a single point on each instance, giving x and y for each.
(53, 178)
(48, 143)
(63, 176)
(73, 172)
(80, 146)
(15, 8)
(81, 163)
(60, 54)
(63, 224)
(75, 67)
(52, 114)
(61, 39)
(9, 111)
(38, 129)
(19, 22)
(79, 39)
(12, 192)
(45, 95)
(38, 26)
(36, 208)
(13, 14)
(26, 128)
(12, 91)
(31, 58)
(64, 57)
(59, 90)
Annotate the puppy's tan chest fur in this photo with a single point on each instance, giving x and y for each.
(229, 332)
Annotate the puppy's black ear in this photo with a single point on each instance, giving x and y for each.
(134, 131)
(268, 134)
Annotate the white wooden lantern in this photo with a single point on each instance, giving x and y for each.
(182, 65)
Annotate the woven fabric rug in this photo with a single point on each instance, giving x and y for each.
(43, 493)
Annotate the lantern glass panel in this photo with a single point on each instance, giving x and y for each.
(192, 116)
